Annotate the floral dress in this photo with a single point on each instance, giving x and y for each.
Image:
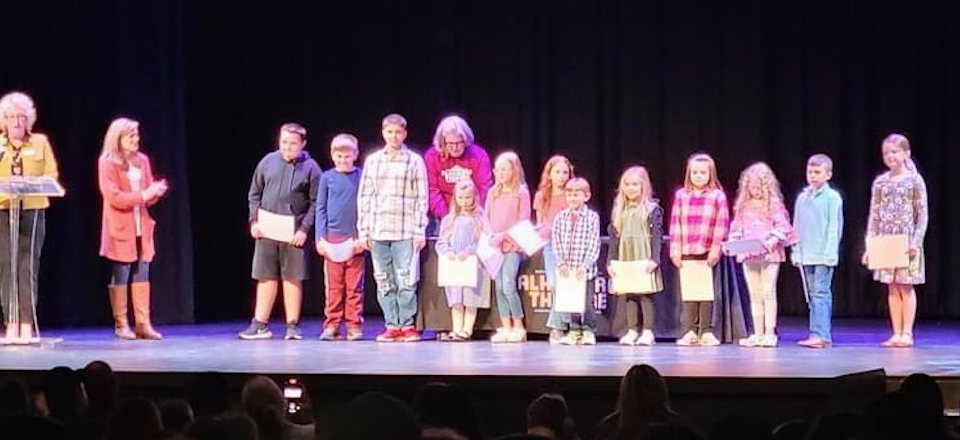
(898, 205)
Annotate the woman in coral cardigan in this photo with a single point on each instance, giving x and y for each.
(128, 189)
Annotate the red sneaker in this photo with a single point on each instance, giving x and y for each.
(409, 334)
(390, 335)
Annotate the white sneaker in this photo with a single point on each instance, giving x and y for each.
(646, 338)
(709, 340)
(555, 336)
(630, 338)
(769, 341)
(752, 341)
(688, 339)
(588, 338)
(502, 335)
(517, 335)
(571, 338)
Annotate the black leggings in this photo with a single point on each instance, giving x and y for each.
(639, 312)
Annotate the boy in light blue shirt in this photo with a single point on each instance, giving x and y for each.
(818, 221)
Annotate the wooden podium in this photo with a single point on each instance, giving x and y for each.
(15, 188)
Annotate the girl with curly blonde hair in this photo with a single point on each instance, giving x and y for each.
(759, 213)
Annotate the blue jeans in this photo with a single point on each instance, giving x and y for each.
(819, 278)
(394, 274)
(508, 297)
(554, 320)
(122, 274)
(586, 320)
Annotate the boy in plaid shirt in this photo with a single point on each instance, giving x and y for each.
(391, 224)
(576, 243)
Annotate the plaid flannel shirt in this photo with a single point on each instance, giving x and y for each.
(698, 221)
(577, 245)
(392, 198)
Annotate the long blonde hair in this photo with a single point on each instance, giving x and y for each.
(768, 184)
(518, 178)
(456, 210)
(713, 183)
(541, 200)
(620, 201)
(901, 142)
(111, 141)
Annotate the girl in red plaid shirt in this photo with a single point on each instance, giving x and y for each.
(699, 219)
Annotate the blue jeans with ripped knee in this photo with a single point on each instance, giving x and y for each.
(396, 286)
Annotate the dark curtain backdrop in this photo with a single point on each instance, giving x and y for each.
(85, 63)
(608, 83)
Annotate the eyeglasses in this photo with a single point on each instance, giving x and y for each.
(455, 144)
(19, 116)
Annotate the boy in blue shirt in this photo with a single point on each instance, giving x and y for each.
(818, 221)
(337, 224)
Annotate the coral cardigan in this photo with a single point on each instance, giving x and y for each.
(118, 234)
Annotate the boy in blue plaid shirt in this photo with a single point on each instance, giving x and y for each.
(576, 243)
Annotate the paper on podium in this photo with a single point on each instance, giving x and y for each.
(339, 252)
(888, 251)
(632, 277)
(526, 236)
(696, 281)
(452, 272)
(490, 256)
(569, 294)
(277, 227)
(744, 247)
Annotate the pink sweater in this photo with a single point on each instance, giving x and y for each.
(557, 203)
(773, 226)
(506, 210)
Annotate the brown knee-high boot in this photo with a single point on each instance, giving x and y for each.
(141, 311)
(118, 305)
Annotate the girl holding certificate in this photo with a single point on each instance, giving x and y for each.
(548, 201)
(898, 206)
(459, 232)
(636, 236)
(760, 214)
(699, 218)
(508, 203)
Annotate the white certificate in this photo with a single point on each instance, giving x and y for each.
(490, 256)
(752, 246)
(696, 281)
(339, 252)
(451, 272)
(632, 277)
(570, 293)
(526, 236)
(888, 251)
(277, 227)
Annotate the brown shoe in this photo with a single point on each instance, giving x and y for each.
(118, 306)
(140, 292)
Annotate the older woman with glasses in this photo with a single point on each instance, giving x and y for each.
(22, 153)
(454, 156)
